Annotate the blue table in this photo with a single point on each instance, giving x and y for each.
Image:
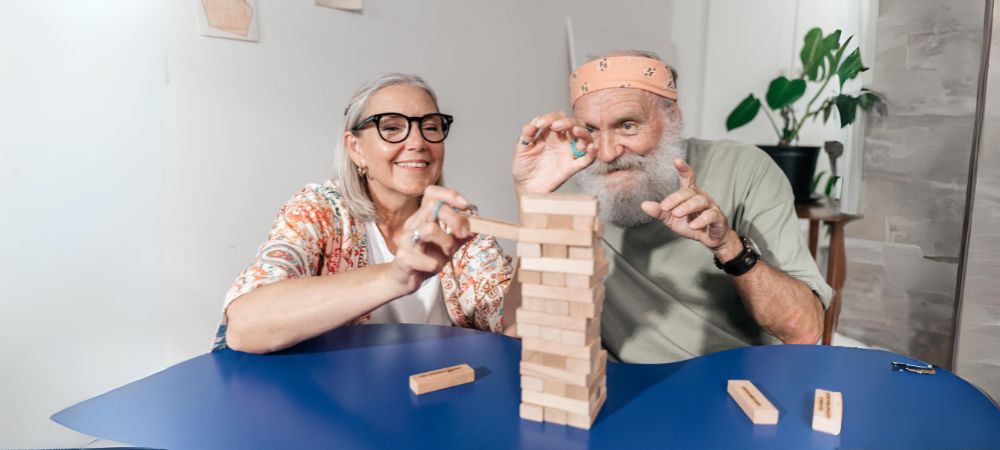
(348, 389)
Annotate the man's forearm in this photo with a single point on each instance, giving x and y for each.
(783, 306)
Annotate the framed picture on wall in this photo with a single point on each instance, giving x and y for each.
(230, 19)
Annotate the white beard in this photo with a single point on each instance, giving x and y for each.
(655, 178)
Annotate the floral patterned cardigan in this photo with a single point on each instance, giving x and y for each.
(314, 235)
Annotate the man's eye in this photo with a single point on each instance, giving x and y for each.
(628, 126)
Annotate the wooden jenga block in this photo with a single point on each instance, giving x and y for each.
(532, 383)
(588, 281)
(554, 401)
(555, 415)
(560, 203)
(555, 251)
(554, 387)
(554, 279)
(585, 421)
(586, 366)
(494, 228)
(562, 322)
(584, 310)
(575, 295)
(752, 402)
(558, 265)
(587, 352)
(532, 412)
(529, 250)
(573, 337)
(575, 392)
(561, 237)
(557, 307)
(585, 223)
(545, 359)
(527, 330)
(559, 222)
(534, 304)
(586, 253)
(828, 411)
(527, 277)
(534, 220)
(533, 368)
(550, 334)
(447, 377)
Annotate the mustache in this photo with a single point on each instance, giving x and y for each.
(628, 161)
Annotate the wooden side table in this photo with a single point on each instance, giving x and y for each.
(826, 211)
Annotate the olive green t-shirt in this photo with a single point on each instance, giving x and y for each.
(665, 299)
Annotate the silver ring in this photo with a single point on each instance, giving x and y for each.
(523, 141)
(416, 236)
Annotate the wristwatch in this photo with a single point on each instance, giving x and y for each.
(743, 262)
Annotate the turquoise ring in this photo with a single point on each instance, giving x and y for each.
(437, 209)
(576, 153)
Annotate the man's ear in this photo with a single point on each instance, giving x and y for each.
(353, 147)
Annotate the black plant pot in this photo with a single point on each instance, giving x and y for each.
(799, 165)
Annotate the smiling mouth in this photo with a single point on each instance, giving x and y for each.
(413, 164)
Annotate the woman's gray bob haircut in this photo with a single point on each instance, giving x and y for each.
(353, 187)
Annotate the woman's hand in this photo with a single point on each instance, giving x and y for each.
(542, 165)
(430, 237)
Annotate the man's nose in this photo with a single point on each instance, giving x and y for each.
(608, 149)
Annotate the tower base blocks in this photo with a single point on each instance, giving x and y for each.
(562, 292)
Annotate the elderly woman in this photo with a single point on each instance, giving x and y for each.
(384, 243)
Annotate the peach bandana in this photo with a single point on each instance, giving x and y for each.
(622, 72)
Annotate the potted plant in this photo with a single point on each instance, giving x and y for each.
(823, 59)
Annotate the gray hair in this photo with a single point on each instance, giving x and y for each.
(667, 103)
(353, 187)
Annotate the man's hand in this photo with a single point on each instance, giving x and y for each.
(692, 213)
(542, 165)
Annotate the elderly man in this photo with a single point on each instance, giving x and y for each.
(698, 263)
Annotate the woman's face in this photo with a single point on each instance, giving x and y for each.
(406, 167)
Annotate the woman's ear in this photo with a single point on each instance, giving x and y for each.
(353, 147)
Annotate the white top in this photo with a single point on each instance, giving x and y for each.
(425, 305)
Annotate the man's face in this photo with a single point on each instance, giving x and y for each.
(636, 145)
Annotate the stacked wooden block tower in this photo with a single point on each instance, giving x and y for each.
(562, 270)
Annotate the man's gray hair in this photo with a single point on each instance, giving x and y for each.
(353, 187)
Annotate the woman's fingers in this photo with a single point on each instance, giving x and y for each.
(451, 197)
(453, 223)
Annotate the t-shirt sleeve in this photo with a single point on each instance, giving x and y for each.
(293, 249)
(769, 219)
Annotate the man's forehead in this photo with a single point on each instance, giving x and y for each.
(610, 104)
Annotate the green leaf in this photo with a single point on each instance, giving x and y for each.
(783, 92)
(832, 41)
(826, 111)
(868, 99)
(815, 181)
(830, 184)
(744, 113)
(830, 45)
(812, 53)
(851, 67)
(847, 107)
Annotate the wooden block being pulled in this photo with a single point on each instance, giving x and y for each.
(447, 377)
(496, 228)
(560, 203)
(531, 412)
(752, 402)
(828, 411)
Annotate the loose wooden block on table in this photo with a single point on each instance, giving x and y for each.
(828, 411)
(752, 402)
(447, 377)
(559, 203)
(531, 412)
(494, 228)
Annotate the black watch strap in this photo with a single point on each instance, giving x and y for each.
(743, 262)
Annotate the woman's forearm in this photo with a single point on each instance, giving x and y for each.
(282, 314)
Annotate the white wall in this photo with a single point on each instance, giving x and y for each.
(83, 192)
(143, 164)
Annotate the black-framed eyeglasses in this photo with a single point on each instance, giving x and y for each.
(395, 127)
